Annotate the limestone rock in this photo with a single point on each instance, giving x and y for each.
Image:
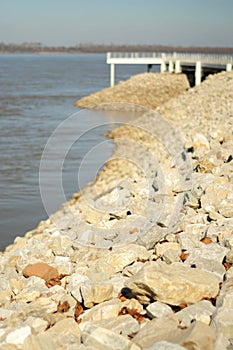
(124, 256)
(226, 209)
(28, 294)
(145, 89)
(105, 310)
(61, 245)
(169, 251)
(40, 342)
(222, 321)
(225, 299)
(158, 310)
(75, 281)
(208, 257)
(200, 141)
(173, 284)
(197, 336)
(132, 269)
(118, 282)
(221, 342)
(125, 325)
(18, 335)
(38, 325)
(103, 339)
(95, 293)
(133, 304)
(65, 333)
(5, 296)
(152, 236)
(41, 270)
(164, 345)
(229, 256)
(156, 330)
(63, 265)
(201, 311)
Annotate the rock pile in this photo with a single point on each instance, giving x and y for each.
(147, 89)
(142, 257)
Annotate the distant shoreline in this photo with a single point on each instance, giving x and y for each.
(38, 48)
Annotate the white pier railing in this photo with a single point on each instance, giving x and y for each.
(173, 60)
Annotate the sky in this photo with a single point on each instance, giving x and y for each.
(153, 22)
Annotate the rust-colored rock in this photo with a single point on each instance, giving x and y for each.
(41, 270)
(206, 240)
(63, 307)
(132, 312)
(78, 311)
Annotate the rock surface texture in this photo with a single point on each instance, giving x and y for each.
(142, 257)
(146, 89)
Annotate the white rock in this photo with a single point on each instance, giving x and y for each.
(61, 245)
(208, 257)
(105, 310)
(33, 281)
(121, 257)
(65, 333)
(38, 325)
(5, 313)
(221, 343)
(225, 299)
(28, 294)
(103, 339)
(96, 293)
(125, 325)
(18, 335)
(75, 281)
(164, 345)
(39, 342)
(197, 336)
(158, 310)
(172, 284)
(118, 282)
(222, 321)
(63, 265)
(132, 269)
(200, 140)
(201, 311)
(161, 248)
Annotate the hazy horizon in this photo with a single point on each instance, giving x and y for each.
(139, 22)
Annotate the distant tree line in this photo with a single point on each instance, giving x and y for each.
(28, 47)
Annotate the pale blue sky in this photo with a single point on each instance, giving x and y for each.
(70, 22)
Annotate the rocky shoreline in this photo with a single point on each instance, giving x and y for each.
(142, 257)
(141, 90)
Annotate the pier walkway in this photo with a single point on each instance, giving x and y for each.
(172, 62)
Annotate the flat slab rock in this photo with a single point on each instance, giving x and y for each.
(173, 284)
(41, 270)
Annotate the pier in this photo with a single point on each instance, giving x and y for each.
(199, 64)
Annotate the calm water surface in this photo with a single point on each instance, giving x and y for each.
(37, 93)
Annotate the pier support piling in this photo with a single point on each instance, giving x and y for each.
(177, 67)
(163, 67)
(198, 73)
(112, 74)
(228, 67)
(170, 67)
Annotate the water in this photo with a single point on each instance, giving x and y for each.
(37, 93)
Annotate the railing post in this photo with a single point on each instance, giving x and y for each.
(198, 73)
(112, 74)
(228, 67)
